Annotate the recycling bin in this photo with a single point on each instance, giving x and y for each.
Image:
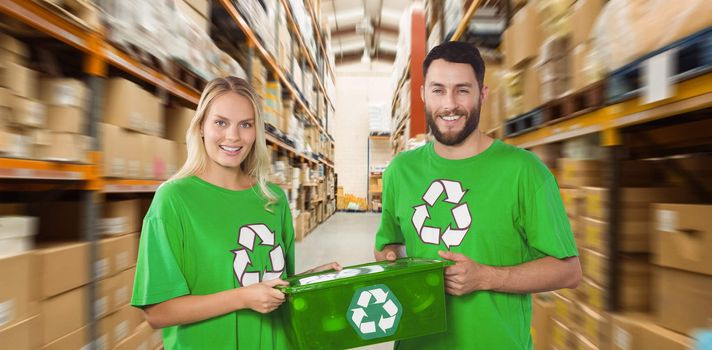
(365, 304)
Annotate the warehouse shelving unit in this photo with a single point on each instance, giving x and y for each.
(98, 55)
(624, 120)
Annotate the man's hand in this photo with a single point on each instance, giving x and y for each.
(330, 266)
(467, 276)
(389, 252)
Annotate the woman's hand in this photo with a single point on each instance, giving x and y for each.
(263, 297)
(330, 266)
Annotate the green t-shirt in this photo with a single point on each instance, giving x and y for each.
(197, 238)
(501, 207)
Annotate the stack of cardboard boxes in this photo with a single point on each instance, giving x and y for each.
(40, 118)
(197, 11)
(46, 302)
(131, 134)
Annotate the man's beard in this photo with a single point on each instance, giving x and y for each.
(473, 120)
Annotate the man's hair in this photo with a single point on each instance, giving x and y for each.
(457, 52)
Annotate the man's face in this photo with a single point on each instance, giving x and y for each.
(452, 101)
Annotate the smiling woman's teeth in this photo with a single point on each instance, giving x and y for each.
(230, 149)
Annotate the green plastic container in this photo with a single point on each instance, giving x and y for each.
(365, 304)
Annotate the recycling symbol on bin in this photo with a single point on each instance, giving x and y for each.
(246, 239)
(374, 312)
(452, 236)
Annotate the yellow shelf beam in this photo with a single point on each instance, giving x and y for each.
(693, 94)
(465, 22)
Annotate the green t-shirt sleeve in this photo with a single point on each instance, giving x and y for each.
(546, 225)
(158, 273)
(389, 231)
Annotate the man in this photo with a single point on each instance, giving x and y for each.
(491, 208)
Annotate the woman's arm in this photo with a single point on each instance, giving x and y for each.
(261, 297)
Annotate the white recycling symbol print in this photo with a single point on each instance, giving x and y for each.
(385, 312)
(452, 236)
(246, 239)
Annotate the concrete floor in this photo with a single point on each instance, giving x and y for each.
(347, 238)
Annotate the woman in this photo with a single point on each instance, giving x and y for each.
(218, 238)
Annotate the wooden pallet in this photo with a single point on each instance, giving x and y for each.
(692, 56)
(579, 102)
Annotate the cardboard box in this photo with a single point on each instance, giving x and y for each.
(523, 37)
(124, 323)
(565, 310)
(532, 84)
(192, 15)
(78, 339)
(682, 299)
(121, 217)
(126, 252)
(583, 17)
(580, 172)
(64, 92)
(104, 329)
(181, 150)
(16, 234)
(573, 199)
(63, 314)
(594, 326)
(64, 147)
(18, 299)
(542, 311)
(579, 78)
(562, 336)
(103, 301)
(138, 115)
(638, 332)
(67, 119)
(683, 237)
(164, 162)
(22, 81)
(177, 121)
(114, 146)
(21, 336)
(124, 287)
(201, 6)
(139, 150)
(139, 339)
(13, 46)
(153, 124)
(62, 267)
(28, 112)
(633, 270)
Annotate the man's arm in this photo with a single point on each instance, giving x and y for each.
(541, 275)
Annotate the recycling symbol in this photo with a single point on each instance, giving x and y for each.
(374, 312)
(452, 236)
(246, 239)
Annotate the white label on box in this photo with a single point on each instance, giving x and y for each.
(7, 312)
(121, 296)
(37, 114)
(136, 121)
(100, 344)
(117, 166)
(101, 306)
(64, 96)
(121, 331)
(134, 169)
(657, 73)
(114, 226)
(621, 338)
(667, 220)
(101, 268)
(122, 261)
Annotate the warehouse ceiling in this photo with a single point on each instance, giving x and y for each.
(364, 25)
(368, 29)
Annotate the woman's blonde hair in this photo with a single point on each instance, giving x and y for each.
(256, 164)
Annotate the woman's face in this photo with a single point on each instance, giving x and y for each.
(229, 130)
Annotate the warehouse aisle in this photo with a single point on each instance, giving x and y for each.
(346, 238)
